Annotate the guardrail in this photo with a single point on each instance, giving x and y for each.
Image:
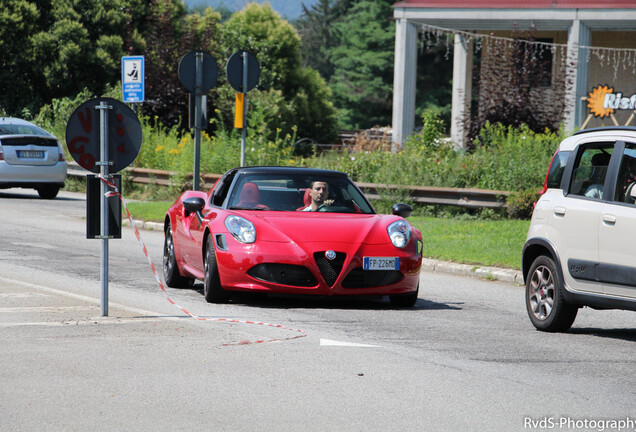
(467, 198)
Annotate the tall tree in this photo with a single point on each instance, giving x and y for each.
(261, 31)
(56, 48)
(316, 28)
(169, 36)
(18, 78)
(362, 82)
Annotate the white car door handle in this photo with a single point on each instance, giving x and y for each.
(559, 211)
(609, 219)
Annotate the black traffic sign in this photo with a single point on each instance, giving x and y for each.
(188, 71)
(234, 71)
(83, 135)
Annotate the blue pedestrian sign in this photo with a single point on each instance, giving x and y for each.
(132, 78)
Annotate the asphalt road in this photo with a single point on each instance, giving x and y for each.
(466, 358)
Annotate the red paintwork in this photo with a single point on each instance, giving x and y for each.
(518, 4)
(292, 238)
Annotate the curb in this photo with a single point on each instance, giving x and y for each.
(430, 265)
(140, 224)
(476, 271)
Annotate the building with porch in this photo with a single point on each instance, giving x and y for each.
(586, 48)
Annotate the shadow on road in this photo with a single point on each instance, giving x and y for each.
(18, 195)
(620, 334)
(290, 301)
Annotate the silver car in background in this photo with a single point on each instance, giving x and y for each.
(30, 157)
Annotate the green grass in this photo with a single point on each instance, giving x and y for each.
(149, 211)
(469, 241)
(473, 241)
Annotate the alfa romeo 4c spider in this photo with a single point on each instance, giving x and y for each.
(293, 231)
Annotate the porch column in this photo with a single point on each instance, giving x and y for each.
(462, 90)
(576, 75)
(404, 82)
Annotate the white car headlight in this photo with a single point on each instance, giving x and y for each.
(242, 229)
(399, 233)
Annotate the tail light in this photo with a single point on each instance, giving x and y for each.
(61, 157)
(1, 154)
(545, 182)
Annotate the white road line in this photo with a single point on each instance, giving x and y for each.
(27, 309)
(329, 342)
(96, 321)
(80, 297)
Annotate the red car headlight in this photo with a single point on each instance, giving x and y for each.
(399, 233)
(241, 229)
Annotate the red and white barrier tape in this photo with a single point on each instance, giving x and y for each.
(301, 333)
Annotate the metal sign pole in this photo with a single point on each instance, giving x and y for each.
(197, 119)
(244, 130)
(103, 108)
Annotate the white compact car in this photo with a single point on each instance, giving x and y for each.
(30, 157)
(581, 242)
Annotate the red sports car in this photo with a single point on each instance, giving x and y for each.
(290, 230)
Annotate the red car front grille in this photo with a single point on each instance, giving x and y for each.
(330, 269)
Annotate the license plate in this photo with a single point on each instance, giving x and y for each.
(381, 263)
(31, 154)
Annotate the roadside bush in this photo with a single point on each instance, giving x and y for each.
(521, 203)
(509, 158)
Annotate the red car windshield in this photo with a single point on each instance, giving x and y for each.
(290, 192)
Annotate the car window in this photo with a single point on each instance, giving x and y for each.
(286, 192)
(627, 176)
(220, 190)
(557, 167)
(590, 169)
(22, 129)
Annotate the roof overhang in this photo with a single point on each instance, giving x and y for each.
(466, 16)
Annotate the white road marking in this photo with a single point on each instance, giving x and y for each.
(95, 321)
(21, 295)
(24, 309)
(329, 342)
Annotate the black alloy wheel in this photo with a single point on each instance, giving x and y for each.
(170, 267)
(212, 289)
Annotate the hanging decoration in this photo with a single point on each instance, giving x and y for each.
(523, 71)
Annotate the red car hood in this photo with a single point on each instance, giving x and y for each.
(322, 227)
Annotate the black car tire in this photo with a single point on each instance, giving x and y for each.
(405, 300)
(170, 268)
(546, 307)
(212, 289)
(48, 191)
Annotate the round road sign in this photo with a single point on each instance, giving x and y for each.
(83, 135)
(188, 71)
(234, 71)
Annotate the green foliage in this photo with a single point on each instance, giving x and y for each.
(318, 34)
(509, 160)
(166, 149)
(261, 31)
(521, 203)
(433, 80)
(171, 34)
(56, 48)
(362, 82)
(300, 94)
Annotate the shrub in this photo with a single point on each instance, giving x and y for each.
(521, 203)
